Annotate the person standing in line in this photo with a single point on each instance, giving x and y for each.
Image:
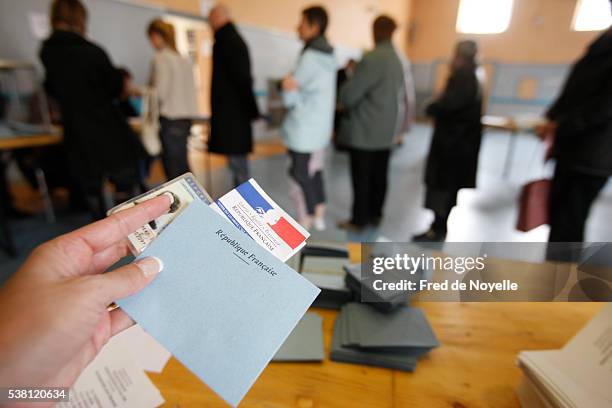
(99, 143)
(453, 155)
(172, 78)
(581, 119)
(369, 124)
(309, 95)
(233, 102)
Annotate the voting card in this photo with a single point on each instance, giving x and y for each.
(253, 212)
(183, 190)
(223, 305)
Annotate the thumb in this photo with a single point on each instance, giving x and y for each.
(129, 279)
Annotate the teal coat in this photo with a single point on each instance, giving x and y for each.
(370, 100)
(309, 121)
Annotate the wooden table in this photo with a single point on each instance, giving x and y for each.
(514, 128)
(474, 367)
(23, 142)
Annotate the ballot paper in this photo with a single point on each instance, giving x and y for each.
(223, 305)
(340, 353)
(113, 379)
(184, 190)
(578, 375)
(253, 212)
(305, 343)
(144, 349)
(405, 329)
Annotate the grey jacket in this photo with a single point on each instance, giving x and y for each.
(370, 100)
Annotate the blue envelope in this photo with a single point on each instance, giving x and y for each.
(223, 305)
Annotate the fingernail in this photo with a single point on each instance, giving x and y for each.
(170, 196)
(150, 266)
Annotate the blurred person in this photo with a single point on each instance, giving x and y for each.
(128, 92)
(127, 103)
(453, 154)
(172, 78)
(233, 102)
(54, 318)
(581, 120)
(309, 95)
(369, 124)
(342, 75)
(80, 76)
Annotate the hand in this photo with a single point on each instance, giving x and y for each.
(290, 84)
(54, 317)
(545, 129)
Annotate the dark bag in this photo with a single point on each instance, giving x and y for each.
(533, 205)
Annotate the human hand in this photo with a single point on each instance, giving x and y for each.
(54, 317)
(290, 84)
(545, 129)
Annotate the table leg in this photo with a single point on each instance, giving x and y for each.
(8, 245)
(509, 155)
(46, 196)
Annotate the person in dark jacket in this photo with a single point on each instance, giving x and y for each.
(370, 104)
(233, 102)
(453, 154)
(80, 76)
(581, 119)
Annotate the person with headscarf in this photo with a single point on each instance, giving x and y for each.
(309, 93)
(172, 78)
(453, 155)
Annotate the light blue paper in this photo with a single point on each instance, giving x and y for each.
(220, 314)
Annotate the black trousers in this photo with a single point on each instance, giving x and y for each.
(441, 202)
(174, 134)
(311, 184)
(369, 174)
(571, 197)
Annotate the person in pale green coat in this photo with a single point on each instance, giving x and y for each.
(369, 123)
(309, 96)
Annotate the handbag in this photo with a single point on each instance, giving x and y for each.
(535, 196)
(149, 135)
(533, 205)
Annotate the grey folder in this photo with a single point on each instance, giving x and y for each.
(305, 343)
(405, 329)
(384, 359)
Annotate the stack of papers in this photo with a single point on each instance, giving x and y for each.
(362, 290)
(363, 335)
(578, 375)
(305, 343)
(327, 274)
(116, 376)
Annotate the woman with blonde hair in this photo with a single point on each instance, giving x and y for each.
(172, 78)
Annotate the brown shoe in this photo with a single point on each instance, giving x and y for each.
(350, 227)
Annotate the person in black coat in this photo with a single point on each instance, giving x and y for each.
(453, 154)
(232, 99)
(80, 76)
(581, 119)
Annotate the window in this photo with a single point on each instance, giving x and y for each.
(484, 16)
(592, 15)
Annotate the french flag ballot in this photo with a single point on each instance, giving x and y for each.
(253, 212)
